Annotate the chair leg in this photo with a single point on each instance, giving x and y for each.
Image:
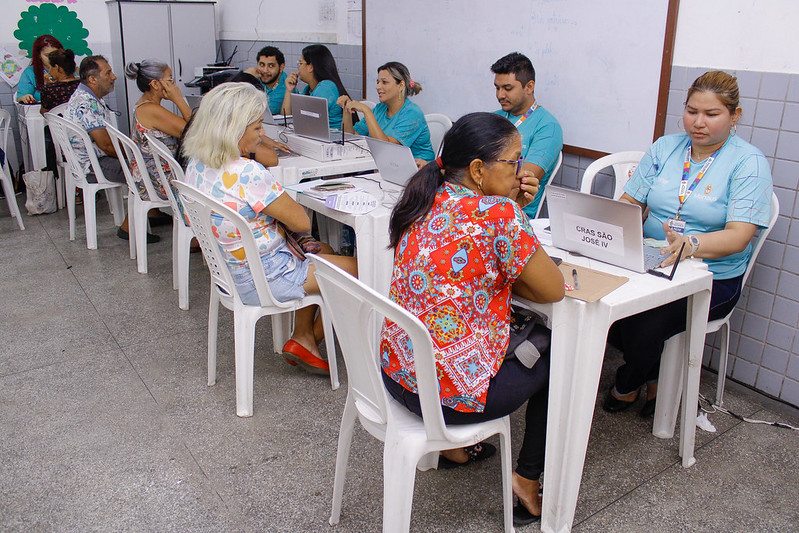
(213, 320)
(244, 335)
(330, 346)
(724, 353)
(115, 198)
(70, 193)
(399, 477)
(342, 457)
(141, 236)
(183, 260)
(175, 253)
(669, 386)
(132, 230)
(90, 217)
(507, 479)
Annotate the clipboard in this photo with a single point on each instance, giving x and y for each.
(593, 283)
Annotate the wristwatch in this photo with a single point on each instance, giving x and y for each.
(694, 240)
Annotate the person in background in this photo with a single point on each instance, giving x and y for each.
(87, 109)
(456, 211)
(269, 72)
(542, 136)
(60, 81)
(220, 142)
(154, 79)
(395, 119)
(706, 189)
(317, 68)
(32, 80)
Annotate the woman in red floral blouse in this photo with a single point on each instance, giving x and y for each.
(462, 245)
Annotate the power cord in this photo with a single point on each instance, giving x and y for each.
(712, 408)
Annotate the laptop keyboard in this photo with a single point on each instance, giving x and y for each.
(652, 257)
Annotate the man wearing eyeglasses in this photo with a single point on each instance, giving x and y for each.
(269, 72)
(542, 136)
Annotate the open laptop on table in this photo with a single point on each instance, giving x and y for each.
(395, 162)
(600, 228)
(311, 120)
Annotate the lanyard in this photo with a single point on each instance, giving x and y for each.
(526, 114)
(686, 191)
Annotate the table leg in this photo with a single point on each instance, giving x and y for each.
(575, 368)
(696, 327)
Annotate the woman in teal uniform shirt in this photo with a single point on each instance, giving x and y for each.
(709, 191)
(395, 119)
(32, 79)
(317, 68)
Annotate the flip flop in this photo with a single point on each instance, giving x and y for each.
(522, 517)
(295, 352)
(478, 452)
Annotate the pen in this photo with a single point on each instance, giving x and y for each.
(574, 277)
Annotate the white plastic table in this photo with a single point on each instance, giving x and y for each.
(31, 132)
(579, 335)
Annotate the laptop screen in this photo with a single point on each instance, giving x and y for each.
(395, 162)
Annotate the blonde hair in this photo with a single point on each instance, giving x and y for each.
(718, 82)
(223, 116)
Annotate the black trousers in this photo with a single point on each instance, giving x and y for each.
(513, 385)
(641, 337)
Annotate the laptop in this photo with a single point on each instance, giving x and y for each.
(311, 120)
(395, 162)
(600, 228)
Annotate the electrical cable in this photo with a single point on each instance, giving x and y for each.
(713, 408)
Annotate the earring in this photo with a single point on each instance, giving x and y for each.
(734, 129)
(480, 186)
(680, 124)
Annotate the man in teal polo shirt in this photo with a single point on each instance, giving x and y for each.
(542, 136)
(269, 72)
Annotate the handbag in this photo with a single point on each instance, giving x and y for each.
(529, 338)
(41, 196)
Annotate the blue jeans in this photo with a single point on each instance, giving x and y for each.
(285, 274)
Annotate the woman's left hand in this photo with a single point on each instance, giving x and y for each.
(676, 242)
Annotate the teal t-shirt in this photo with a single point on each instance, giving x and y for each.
(542, 141)
(408, 126)
(276, 94)
(736, 188)
(27, 84)
(327, 89)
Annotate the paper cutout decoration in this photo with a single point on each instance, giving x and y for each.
(58, 21)
(11, 67)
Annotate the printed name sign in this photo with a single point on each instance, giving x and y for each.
(599, 235)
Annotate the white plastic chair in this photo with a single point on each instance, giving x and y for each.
(181, 232)
(5, 170)
(672, 359)
(410, 442)
(369, 104)
(551, 177)
(138, 208)
(62, 129)
(439, 125)
(61, 164)
(199, 207)
(623, 163)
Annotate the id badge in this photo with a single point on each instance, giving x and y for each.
(677, 225)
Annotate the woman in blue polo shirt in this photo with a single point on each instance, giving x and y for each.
(317, 68)
(709, 191)
(32, 80)
(395, 119)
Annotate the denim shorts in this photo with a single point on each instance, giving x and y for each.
(285, 274)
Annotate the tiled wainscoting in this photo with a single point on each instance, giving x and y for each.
(764, 345)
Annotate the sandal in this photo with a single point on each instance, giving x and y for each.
(477, 452)
(522, 517)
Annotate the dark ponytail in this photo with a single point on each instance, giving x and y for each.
(481, 136)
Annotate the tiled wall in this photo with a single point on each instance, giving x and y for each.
(764, 345)
(348, 59)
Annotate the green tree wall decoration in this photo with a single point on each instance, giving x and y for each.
(58, 21)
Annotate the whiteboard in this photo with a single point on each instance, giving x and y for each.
(597, 62)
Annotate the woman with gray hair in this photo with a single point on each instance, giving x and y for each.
(220, 145)
(154, 80)
(395, 119)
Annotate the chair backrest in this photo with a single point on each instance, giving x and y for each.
(761, 237)
(62, 130)
(439, 125)
(200, 207)
(128, 153)
(163, 156)
(351, 305)
(5, 122)
(623, 163)
(551, 177)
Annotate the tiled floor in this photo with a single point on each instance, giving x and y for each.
(108, 425)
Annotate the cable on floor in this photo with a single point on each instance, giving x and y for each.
(712, 408)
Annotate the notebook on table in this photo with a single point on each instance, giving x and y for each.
(311, 120)
(600, 228)
(395, 162)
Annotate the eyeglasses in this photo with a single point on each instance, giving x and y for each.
(518, 162)
(301, 63)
